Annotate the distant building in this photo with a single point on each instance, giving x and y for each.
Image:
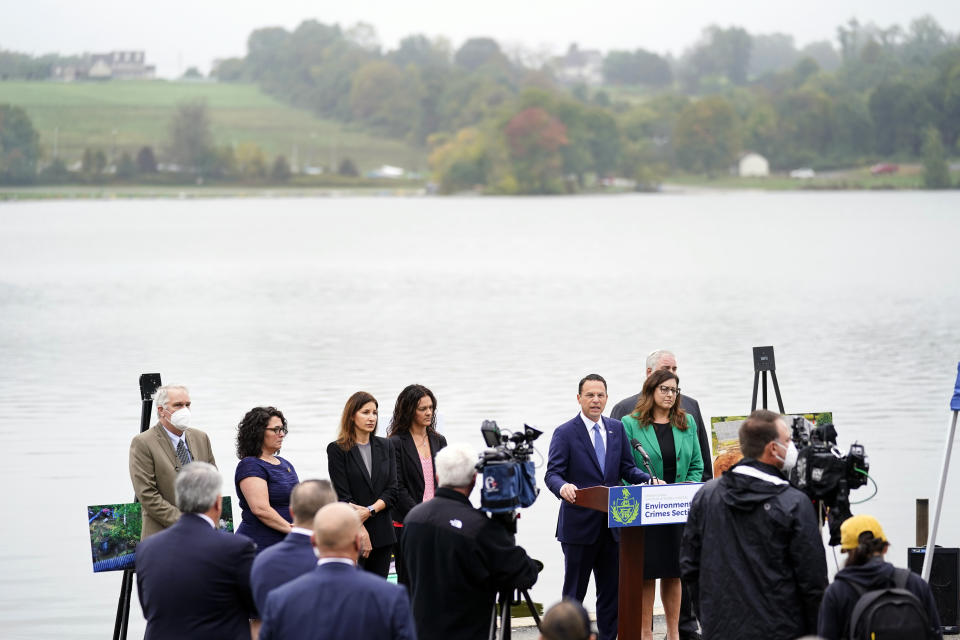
(753, 165)
(116, 65)
(579, 67)
(386, 171)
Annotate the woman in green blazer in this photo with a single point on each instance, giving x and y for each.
(669, 436)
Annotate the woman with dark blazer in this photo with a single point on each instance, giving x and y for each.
(415, 442)
(669, 436)
(363, 470)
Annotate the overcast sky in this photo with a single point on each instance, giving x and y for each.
(177, 34)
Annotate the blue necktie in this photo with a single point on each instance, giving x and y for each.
(598, 445)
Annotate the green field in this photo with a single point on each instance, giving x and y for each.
(131, 114)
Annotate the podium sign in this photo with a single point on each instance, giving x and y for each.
(644, 505)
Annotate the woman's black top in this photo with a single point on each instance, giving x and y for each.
(353, 483)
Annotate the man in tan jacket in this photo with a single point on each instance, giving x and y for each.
(158, 454)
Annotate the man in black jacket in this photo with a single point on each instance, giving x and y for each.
(752, 552)
(456, 557)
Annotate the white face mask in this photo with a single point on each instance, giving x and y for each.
(180, 418)
(790, 461)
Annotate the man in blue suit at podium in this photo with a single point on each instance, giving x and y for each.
(587, 451)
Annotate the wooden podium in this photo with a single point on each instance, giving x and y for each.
(630, 595)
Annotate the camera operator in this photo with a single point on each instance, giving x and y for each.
(456, 557)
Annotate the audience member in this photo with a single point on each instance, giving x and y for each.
(566, 620)
(293, 556)
(336, 600)
(193, 581)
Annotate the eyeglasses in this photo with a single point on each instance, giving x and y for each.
(669, 391)
(280, 431)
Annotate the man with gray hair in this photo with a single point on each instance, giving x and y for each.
(158, 454)
(193, 581)
(657, 360)
(293, 556)
(457, 558)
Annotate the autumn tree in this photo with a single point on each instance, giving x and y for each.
(707, 136)
(534, 139)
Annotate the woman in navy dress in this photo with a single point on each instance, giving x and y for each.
(263, 479)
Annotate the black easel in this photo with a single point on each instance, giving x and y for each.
(762, 363)
(149, 383)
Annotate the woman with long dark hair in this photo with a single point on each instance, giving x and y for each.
(669, 437)
(363, 470)
(862, 539)
(263, 479)
(416, 442)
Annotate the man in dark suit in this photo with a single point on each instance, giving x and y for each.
(663, 359)
(193, 580)
(587, 451)
(158, 454)
(337, 600)
(293, 556)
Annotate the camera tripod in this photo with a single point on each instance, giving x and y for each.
(506, 599)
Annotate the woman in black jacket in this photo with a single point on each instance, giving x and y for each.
(363, 470)
(862, 539)
(415, 442)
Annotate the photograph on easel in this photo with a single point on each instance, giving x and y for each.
(724, 432)
(115, 532)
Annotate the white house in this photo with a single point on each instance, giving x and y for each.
(754, 165)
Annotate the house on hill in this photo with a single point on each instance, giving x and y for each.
(116, 65)
(579, 66)
(753, 165)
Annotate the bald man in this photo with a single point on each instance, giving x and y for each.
(293, 556)
(336, 599)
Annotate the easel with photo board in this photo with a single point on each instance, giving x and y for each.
(762, 363)
(149, 383)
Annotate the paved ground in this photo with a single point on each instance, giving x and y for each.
(525, 629)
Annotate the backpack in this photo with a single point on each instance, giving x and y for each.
(893, 613)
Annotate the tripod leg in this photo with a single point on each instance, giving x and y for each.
(756, 384)
(505, 601)
(776, 389)
(493, 623)
(123, 606)
(764, 389)
(530, 605)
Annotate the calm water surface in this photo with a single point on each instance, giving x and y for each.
(499, 305)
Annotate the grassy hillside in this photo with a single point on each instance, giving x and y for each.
(136, 113)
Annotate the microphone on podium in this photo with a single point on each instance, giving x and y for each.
(643, 454)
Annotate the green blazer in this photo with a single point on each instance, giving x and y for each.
(686, 443)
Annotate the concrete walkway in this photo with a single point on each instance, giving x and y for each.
(525, 629)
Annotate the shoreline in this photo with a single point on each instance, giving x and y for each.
(194, 192)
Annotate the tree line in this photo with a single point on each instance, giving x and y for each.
(504, 120)
(511, 121)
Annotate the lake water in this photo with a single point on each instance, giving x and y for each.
(499, 305)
